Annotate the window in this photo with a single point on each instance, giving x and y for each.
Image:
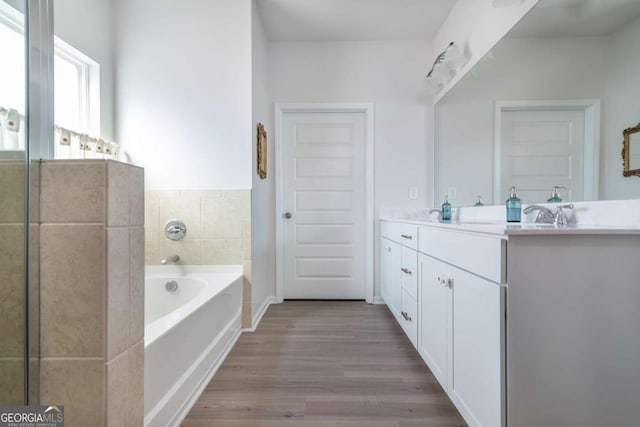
(76, 102)
(76, 82)
(12, 72)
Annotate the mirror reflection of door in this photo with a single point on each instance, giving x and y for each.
(12, 197)
(542, 149)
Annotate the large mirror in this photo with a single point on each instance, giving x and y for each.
(545, 108)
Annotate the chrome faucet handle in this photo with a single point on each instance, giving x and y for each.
(544, 216)
(560, 219)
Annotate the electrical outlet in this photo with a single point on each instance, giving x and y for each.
(413, 193)
(452, 193)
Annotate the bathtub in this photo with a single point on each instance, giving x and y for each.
(188, 333)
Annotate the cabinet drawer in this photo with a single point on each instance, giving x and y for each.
(410, 317)
(391, 230)
(481, 255)
(409, 271)
(409, 236)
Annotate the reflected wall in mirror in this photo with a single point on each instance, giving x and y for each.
(631, 151)
(544, 108)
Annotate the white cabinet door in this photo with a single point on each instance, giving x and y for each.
(478, 333)
(409, 321)
(435, 313)
(390, 280)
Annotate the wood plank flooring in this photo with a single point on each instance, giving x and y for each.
(324, 364)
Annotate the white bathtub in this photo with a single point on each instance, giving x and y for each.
(188, 333)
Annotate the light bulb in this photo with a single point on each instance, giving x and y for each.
(454, 57)
(438, 75)
(432, 86)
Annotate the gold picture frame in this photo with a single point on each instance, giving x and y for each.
(626, 152)
(262, 151)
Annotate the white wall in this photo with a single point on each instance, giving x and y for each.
(476, 26)
(388, 74)
(263, 193)
(522, 69)
(622, 101)
(88, 26)
(183, 98)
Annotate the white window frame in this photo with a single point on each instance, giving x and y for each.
(89, 78)
(88, 69)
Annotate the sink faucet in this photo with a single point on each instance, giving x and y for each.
(439, 213)
(545, 216)
(172, 258)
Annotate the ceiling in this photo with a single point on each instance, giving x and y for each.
(577, 18)
(352, 20)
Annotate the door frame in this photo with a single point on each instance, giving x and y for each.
(591, 108)
(368, 109)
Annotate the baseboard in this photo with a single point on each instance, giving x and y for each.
(258, 316)
(378, 300)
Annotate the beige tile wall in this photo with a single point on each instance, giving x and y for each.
(92, 291)
(218, 230)
(12, 326)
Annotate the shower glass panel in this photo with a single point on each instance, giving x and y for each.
(13, 170)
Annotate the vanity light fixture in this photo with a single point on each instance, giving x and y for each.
(450, 60)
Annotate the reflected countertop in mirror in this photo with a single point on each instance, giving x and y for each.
(546, 107)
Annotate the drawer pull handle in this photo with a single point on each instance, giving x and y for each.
(406, 317)
(406, 236)
(406, 271)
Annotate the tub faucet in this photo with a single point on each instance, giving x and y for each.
(172, 258)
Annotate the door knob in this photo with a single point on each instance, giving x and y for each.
(287, 215)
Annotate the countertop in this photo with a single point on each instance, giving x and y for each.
(504, 229)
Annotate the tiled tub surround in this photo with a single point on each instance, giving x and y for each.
(218, 230)
(12, 274)
(92, 291)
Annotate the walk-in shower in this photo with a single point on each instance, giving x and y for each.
(26, 130)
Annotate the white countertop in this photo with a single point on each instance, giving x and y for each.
(504, 229)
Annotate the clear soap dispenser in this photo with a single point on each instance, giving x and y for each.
(555, 197)
(446, 210)
(514, 207)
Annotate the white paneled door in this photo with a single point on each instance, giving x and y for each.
(540, 150)
(323, 204)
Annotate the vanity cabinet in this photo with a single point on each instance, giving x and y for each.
(461, 332)
(545, 336)
(399, 274)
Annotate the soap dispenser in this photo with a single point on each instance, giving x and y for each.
(479, 201)
(514, 206)
(446, 210)
(555, 197)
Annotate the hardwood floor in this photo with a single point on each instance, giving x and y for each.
(317, 364)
